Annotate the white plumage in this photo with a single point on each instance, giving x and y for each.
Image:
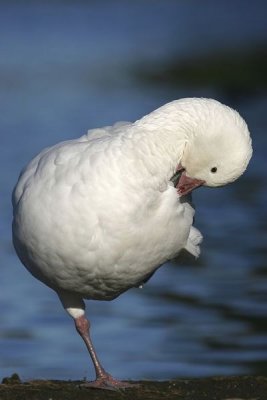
(97, 215)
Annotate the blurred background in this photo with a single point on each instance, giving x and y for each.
(69, 66)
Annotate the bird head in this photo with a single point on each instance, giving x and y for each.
(217, 150)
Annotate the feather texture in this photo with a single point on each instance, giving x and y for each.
(97, 215)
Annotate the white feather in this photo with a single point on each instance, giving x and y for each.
(97, 215)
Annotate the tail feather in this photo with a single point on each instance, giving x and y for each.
(193, 242)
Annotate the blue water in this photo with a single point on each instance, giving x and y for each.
(67, 67)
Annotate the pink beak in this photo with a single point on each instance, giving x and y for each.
(187, 184)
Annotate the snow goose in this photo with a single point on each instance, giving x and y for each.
(98, 215)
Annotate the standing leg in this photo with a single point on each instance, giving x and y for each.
(82, 326)
(103, 379)
(75, 307)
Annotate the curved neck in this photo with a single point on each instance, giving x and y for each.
(155, 148)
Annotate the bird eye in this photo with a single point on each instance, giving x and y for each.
(213, 170)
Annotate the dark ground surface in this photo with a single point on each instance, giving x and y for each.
(220, 388)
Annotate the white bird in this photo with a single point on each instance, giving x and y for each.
(98, 215)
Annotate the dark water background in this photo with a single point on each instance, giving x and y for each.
(68, 66)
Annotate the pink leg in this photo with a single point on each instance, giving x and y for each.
(103, 379)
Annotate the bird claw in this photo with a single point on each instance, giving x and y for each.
(107, 382)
